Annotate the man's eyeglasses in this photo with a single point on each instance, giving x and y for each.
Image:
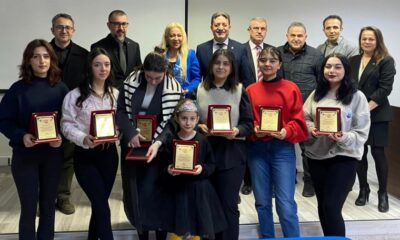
(62, 27)
(119, 24)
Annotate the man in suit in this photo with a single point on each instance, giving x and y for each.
(125, 53)
(72, 60)
(220, 26)
(335, 43)
(301, 64)
(258, 31)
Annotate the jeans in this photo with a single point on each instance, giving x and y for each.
(273, 163)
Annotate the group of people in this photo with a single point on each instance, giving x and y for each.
(176, 85)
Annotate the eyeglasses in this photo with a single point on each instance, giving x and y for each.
(119, 24)
(62, 27)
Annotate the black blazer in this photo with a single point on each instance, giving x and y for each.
(253, 71)
(376, 82)
(73, 71)
(133, 58)
(204, 54)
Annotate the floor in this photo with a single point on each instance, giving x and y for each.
(362, 222)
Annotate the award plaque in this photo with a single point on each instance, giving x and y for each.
(146, 125)
(328, 120)
(219, 119)
(270, 119)
(43, 127)
(137, 154)
(102, 126)
(185, 156)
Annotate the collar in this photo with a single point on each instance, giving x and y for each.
(276, 79)
(286, 49)
(337, 43)
(225, 86)
(57, 48)
(225, 42)
(253, 45)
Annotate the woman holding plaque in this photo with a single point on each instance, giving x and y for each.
(182, 60)
(221, 87)
(374, 71)
(149, 91)
(278, 125)
(35, 167)
(334, 155)
(95, 163)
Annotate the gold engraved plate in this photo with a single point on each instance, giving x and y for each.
(184, 156)
(104, 125)
(46, 127)
(221, 119)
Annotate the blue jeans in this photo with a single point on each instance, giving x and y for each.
(273, 168)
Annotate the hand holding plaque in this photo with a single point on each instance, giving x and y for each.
(270, 119)
(102, 126)
(146, 126)
(43, 127)
(219, 119)
(185, 156)
(328, 120)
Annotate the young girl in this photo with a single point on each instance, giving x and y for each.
(272, 158)
(95, 165)
(195, 204)
(333, 158)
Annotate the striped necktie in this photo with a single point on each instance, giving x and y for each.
(259, 73)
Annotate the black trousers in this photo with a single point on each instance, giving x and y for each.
(95, 170)
(36, 175)
(381, 166)
(227, 185)
(333, 179)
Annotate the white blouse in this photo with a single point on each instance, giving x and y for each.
(75, 121)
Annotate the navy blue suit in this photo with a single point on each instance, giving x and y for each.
(204, 54)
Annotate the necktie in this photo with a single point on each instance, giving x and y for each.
(221, 45)
(259, 73)
(122, 58)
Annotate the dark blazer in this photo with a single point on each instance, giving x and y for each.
(204, 54)
(73, 71)
(133, 58)
(250, 60)
(376, 83)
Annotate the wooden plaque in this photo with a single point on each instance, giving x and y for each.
(44, 128)
(328, 120)
(185, 156)
(147, 125)
(219, 119)
(270, 119)
(102, 126)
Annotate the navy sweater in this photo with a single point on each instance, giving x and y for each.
(23, 99)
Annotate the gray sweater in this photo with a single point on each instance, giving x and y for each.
(355, 120)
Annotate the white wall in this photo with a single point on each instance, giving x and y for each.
(24, 20)
(279, 14)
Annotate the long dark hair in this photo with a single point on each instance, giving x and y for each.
(347, 86)
(84, 86)
(25, 69)
(155, 61)
(232, 81)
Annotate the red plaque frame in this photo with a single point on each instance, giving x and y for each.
(93, 127)
(153, 119)
(210, 120)
(319, 110)
(137, 154)
(275, 108)
(195, 145)
(34, 130)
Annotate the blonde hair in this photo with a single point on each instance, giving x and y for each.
(184, 50)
